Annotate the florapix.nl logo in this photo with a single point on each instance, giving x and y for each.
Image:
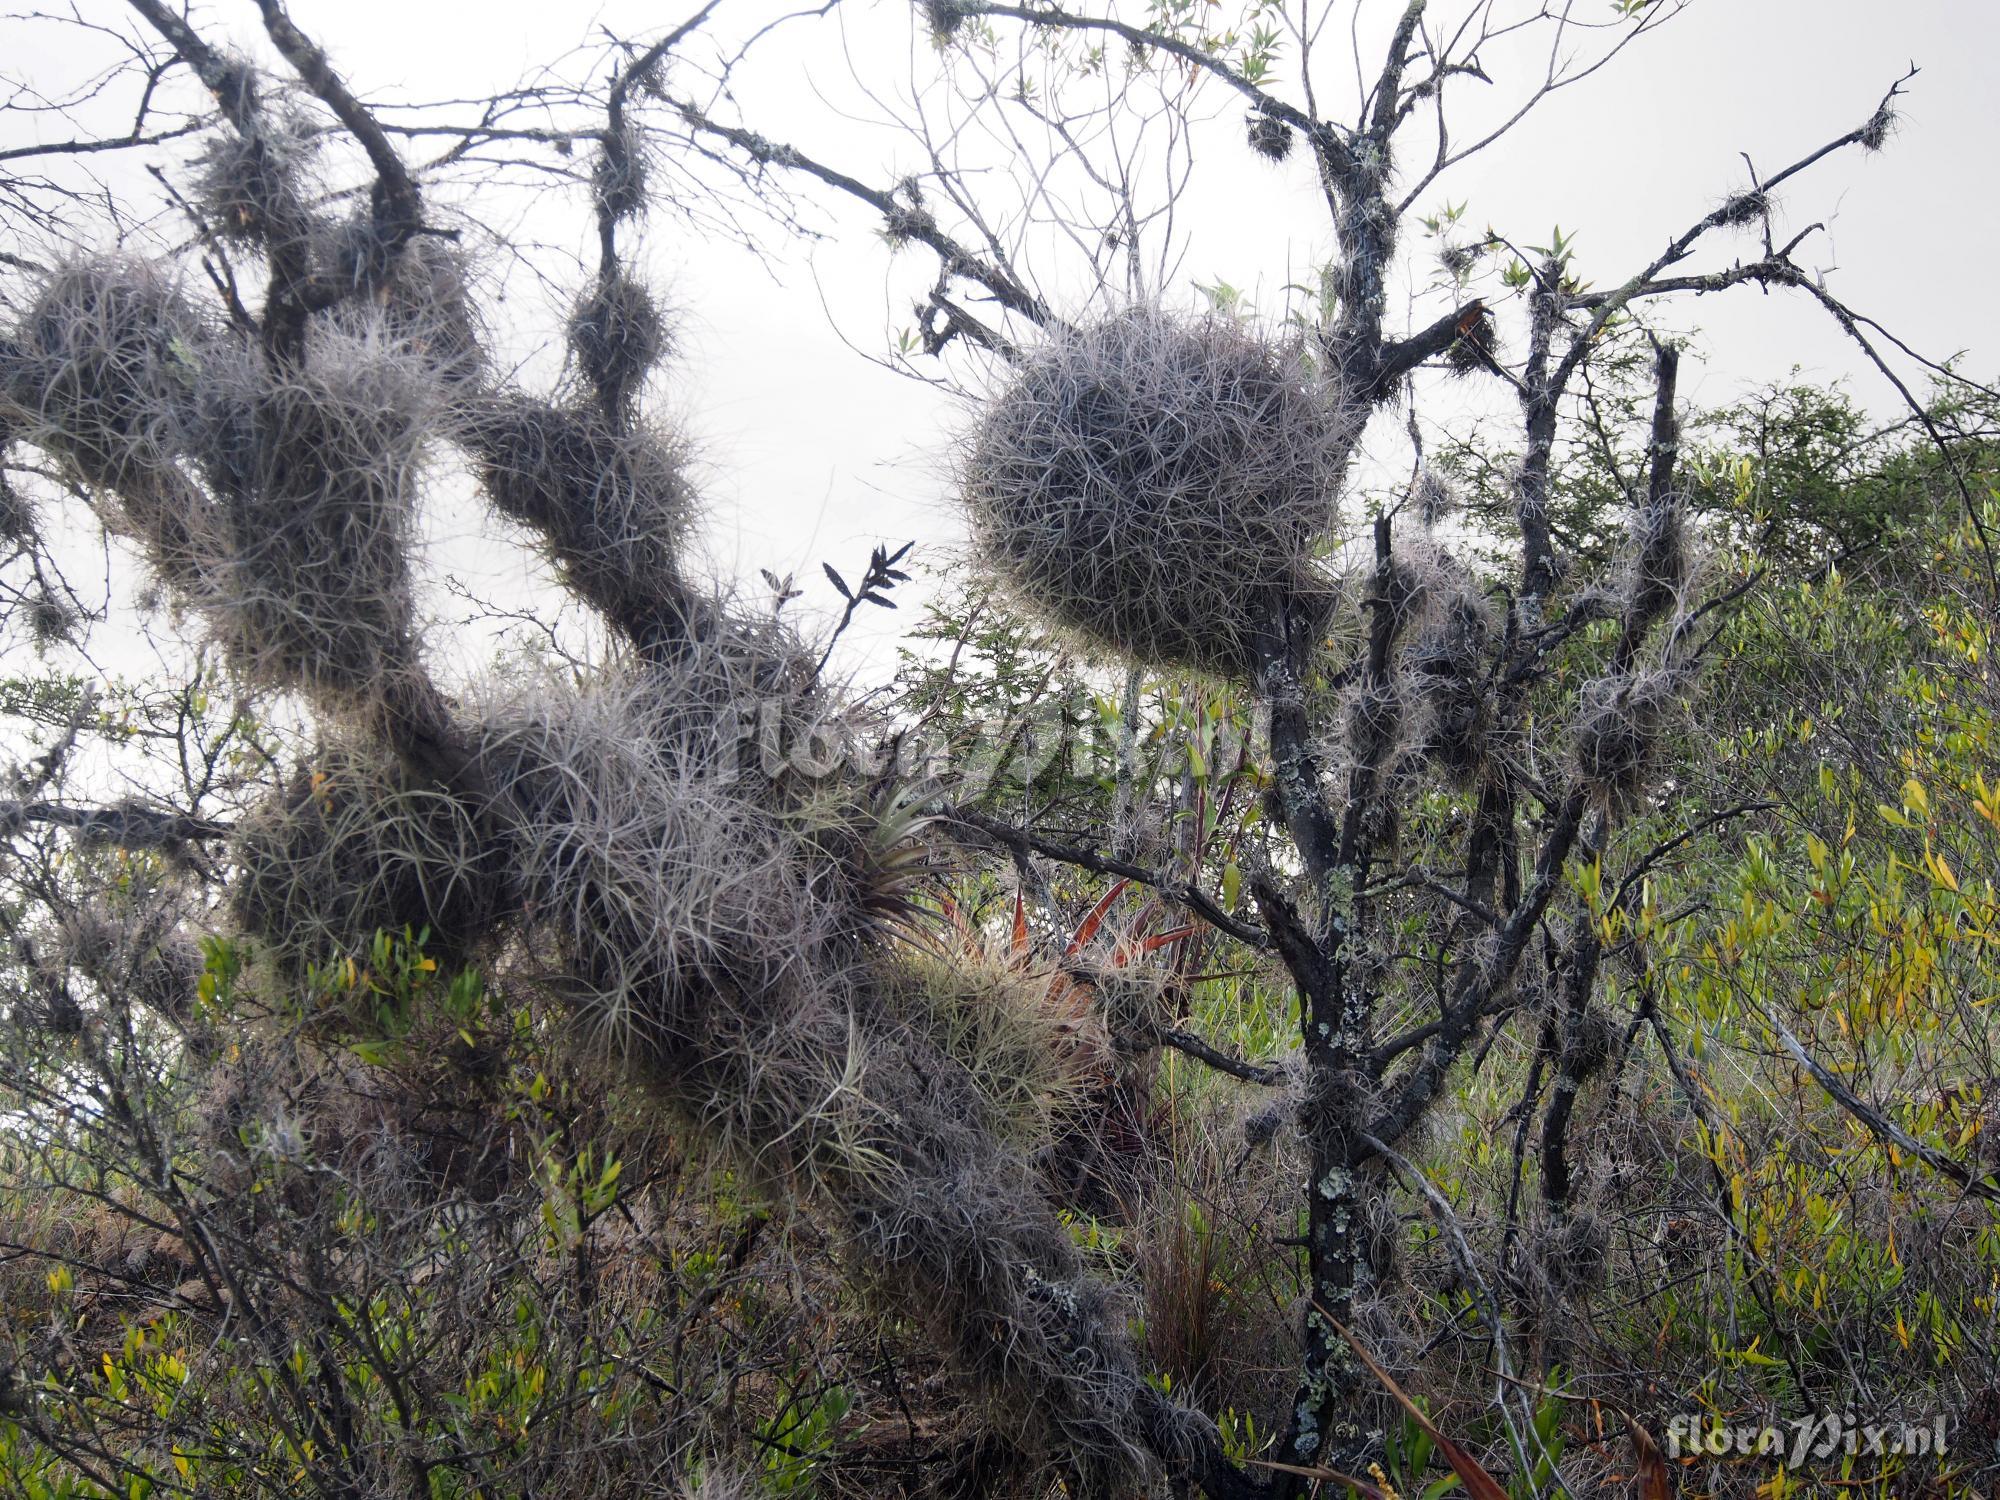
(1799, 1441)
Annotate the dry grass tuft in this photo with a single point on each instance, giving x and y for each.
(656, 902)
(945, 17)
(350, 847)
(1128, 1000)
(1881, 125)
(956, 1231)
(618, 177)
(247, 186)
(131, 944)
(615, 508)
(18, 519)
(1374, 716)
(50, 619)
(662, 871)
(1032, 1062)
(619, 335)
(316, 469)
(1447, 662)
(1573, 1252)
(1588, 1042)
(111, 357)
(1741, 210)
(1148, 480)
(1659, 565)
(428, 304)
(1270, 138)
(1619, 722)
(1437, 501)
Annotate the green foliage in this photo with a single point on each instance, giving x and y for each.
(797, 1439)
(543, 1287)
(320, 1284)
(1801, 475)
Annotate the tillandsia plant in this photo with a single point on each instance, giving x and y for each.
(1166, 486)
(717, 925)
(262, 414)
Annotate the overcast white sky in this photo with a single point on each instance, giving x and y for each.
(814, 453)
